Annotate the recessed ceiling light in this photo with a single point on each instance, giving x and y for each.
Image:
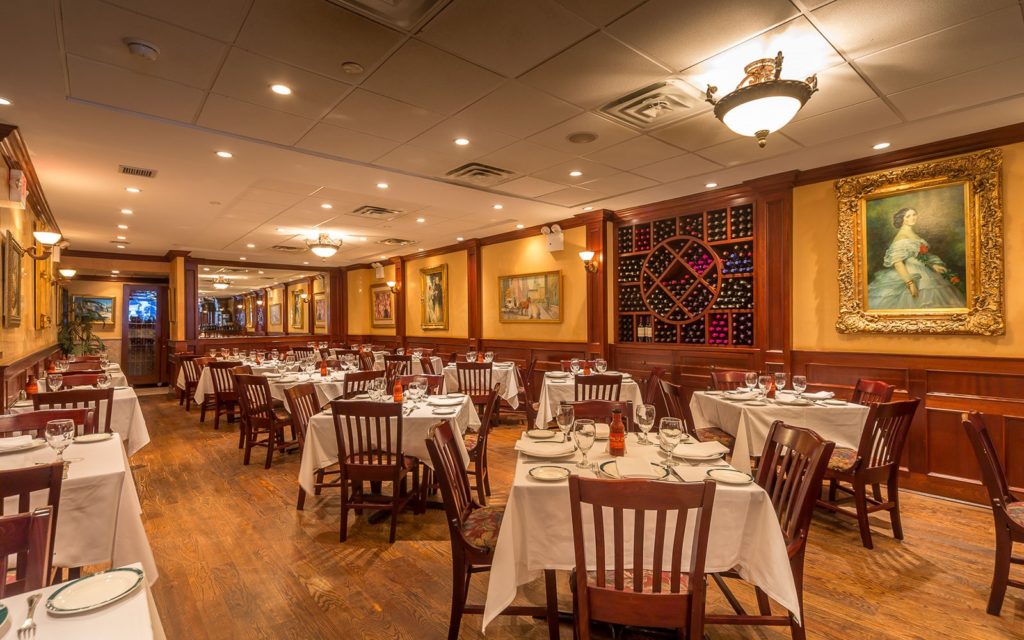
(206, 268)
(588, 208)
(576, 173)
(242, 258)
(711, 185)
(499, 206)
(460, 239)
(121, 246)
(127, 212)
(114, 271)
(281, 89)
(362, 238)
(133, 190)
(122, 237)
(421, 219)
(5, 102)
(225, 154)
(520, 226)
(326, 206)
(382, 185)
(461, 141)
(260, 271)
(880, 146)
(251, 245)
(306, 262)
(122, 226)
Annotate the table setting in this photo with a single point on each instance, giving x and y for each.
(560, 386)
(503, 374)
(416, 367)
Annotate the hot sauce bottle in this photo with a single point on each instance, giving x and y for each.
(398, 391)
(323, 368)
(31, 387)
(617, 435)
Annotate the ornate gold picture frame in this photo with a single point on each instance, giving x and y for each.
(921, 248)
(382, 306)
(434, 298)
(530, 297)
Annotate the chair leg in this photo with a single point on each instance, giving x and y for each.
(876, 491)
(832, 486)
(202, 410)
(319, 481)
(241, 433)
(343, 529)
(247, 450)
(271, 444)
(1001, 572)
(892, 491)
(394, 515)
(860, 499)
(216, 415)
(302, 500)
(764, 605)
(460, 584)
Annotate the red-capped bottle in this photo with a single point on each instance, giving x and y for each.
(586, 367)
(480, 357)
(398, 391)
(617, 435)
(323, 368)
(31, 387)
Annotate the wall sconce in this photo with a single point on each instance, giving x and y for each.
(259, 302)
(45, 241)
(304, 297)
(392, 285)
(67, 273)
(588, 261)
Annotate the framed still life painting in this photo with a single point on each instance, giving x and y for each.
(434, 297)
(382, 306)
(921, 248)
(530, 297)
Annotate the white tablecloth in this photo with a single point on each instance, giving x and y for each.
(133, 618)
(750, 424)
(321, 448)
(417, 366)
(326, 389)
(204, 386)
(536, 534)
(502, 374)
(126, 418)
(558, 390)
(99, 517)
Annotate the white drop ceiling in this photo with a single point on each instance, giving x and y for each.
(515, 77)
(245, 279)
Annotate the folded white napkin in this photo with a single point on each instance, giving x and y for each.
(743, 395)
(701, 449)
(15, 442)
(602, 430)
(544, 448)
(819, 395)
(636, 468)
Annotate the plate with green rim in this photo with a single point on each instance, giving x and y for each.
(94, 592)
(606, 468)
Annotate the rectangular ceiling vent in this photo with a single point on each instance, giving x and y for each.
(287, 248)
(400, 13)
(374, 212)
(480, 175)
(138, 172)
(653, 106)
(396, 242)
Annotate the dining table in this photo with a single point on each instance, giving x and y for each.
(133, 617)
(560, 387)
(417, 364)
(204, 386)
(749, 419)
(503, 374)
(327, 388)
(99, 517)
(536, 531)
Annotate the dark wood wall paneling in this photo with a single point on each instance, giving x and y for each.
(14, 375)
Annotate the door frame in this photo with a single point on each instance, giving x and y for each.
(161, 375)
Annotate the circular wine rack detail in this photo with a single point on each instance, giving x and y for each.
(680, 279)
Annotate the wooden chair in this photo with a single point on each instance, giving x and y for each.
(303, 403)
(792, 466)
(473, 530)
(356, 382)
(369, 438)
(660, 592)
(427, 365)
(435, 383)
(301, 353)
(101, 401)
(476, 447)
(396, 366)
(187, 362)
(598, 387)
(21, 484)
(876, 460)
(675, 401)
(872, 391)
(728, 380)
(652, 390)
(34, 422)
(601, 411)
(475, 380)
(224, 393)
(365, 361)
(1007, 510)
(527, 404)
(259, 418)
(29, 537)
(84, 367)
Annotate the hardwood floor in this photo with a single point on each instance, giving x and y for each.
(237, 560)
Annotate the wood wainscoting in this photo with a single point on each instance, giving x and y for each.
(15, 374)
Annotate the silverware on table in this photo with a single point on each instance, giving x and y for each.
(28, 628)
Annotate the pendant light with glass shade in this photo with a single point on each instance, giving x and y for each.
(762, 102)
(324, 246)
(221, 283)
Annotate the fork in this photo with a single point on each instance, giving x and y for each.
(28, 628)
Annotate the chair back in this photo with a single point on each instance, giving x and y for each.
(223, 378)
(992, 473)
(395, 366)
(598, 387)
(303, 404)
(652, 390)
(21, 484)
(29, 537)
(660, 591)
(301, 353)
(79, 380)
(728, 380)
(202, 362)
(189, 366)
(369, 438)
(885, 433)
(474, 378)
(450, 470)
(677, 407)
(567, 364)
(434, 382)
(356, 382)
(525, 394)
(365, 361)
(34, 422)
(601, 411)
(245, 370)
(101, 401)
(81, 367)
(872, 391)
(427, 365)
(255, 403)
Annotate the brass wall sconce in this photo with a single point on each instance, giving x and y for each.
(589, 263)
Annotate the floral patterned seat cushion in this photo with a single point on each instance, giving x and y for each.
(470, 438)
(648, 578)
(842, 459)
(714, 434)
(1016, 512)
(481, 527)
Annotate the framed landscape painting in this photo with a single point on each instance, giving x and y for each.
(434, 297)
(920, 248)
(382, 306)
(320, 309)
(530, 297)
(96, 308)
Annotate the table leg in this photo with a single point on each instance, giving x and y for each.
(551, 592)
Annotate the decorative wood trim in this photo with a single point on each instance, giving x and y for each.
(14, 374)
(597, 292)
(399, 297)
(16, 155)
(176, 253)
(191, 294)
(105, 255)
(474, 296)
(258, 265)
(124, 279)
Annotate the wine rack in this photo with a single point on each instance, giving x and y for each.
(688, 279)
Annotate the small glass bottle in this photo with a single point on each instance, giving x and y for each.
(31, 387)
(397, 395)
(617, 435)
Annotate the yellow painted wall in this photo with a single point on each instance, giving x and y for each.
(275, 295)
(530, 255)
(24, 339)
(458, 296)
(357, 295)
(816, 292)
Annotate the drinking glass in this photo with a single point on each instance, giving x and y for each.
(471, 356)
(780, 381)
(565, 417)
(104, 361)
(54, 381)
(670, 432)
(103, 380)
(600, 365)
(375, 389)
(60, 366)
(488, 356)
(574, 366)
(751, 380)
(645, 421)
(799, 385)
(59, 435)
(586, 433)
(763, 383)
(399, 351)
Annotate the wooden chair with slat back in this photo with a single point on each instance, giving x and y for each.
(78, 380)
(245, 370)
(1007, 510)
(678, 407)
(473, 530)
(356, 382)
(365, 361)
(475, 380)
(792, 466)
(261, 419)
(567, 364)
(427, 365)
(224, 392)
(660, 592)
(20, 484)
(600, 411)
(29, 537)
(396, 366)
(303, 403)
(872, 391)
(84, 367)
(100, 401)
(652, 390)
(728, 380)
(190, 369)
(525, 396)
(369, 436)
(874, 462)
(34, 422)
(600, 386)
(434, 383)
(476, 447)
(302, 353)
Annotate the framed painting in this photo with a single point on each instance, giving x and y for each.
(320, 309)
(382, 306)
(921, 248)
(275, 314)
(12, 282)
(98, 309)
(530, 297)
(297, 319)
(434, 297)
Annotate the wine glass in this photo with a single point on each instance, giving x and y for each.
(751, 380)
(574, 366)
(471, 356)
(780, 382)
(103, 380)
(399, 351)
(763, 383)
(645, 421)
(59, 435)
(670, 432)
(60, 366)
(54, 381)
(586, 433)
(799, 385)
(488, 356)
(565, 417)
(600, 365)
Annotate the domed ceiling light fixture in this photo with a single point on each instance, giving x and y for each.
(221, 283)
(762, 102)
(324, 246)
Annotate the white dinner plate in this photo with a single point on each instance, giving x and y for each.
(540, 434)
(835, 403)
(35, 443)
(538, 452)
(93, 592)
(610, 469)
(548, 473)
(443, 411)
(22, 403)
(793, 402)
(712, 393)
(93, 437)
(437, 401)
(558, 374)
(460, 396)
(755, 403)
(729, 476)
(698, 458)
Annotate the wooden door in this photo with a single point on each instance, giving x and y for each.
(143, 329)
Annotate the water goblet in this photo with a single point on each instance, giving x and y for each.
(799, 385)
(645, 422)
(103, 380)
(59, 435)
(488, 356)
(574, 366)
(600, 365)
(751, 380)
(54, 381)
(670, 433)
(60, 366)
(763, 384)
(585, 434)
(780, 382)
(471, 356)
(565, 417)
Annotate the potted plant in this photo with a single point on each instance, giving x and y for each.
(76, 338)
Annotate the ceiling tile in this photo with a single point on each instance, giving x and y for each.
(595, 72)
(336, 141)
(430, 78)
(854, 25)
(525, 157)
(506, 37)
(637, 152)
(235, 116)
(971, 45)
(619, 183)
(270, 196)
(119, 87)
(518, 110)
(744, 150)
(481, 140)
(682, 34)
(382, 116)
(221, 19)
(560, 173)
(248, 77)
(529, 187)
(859, 118)
(600, 12)
(97, 30)
(273, 184)
(608, 133)
(571, 197)
(696, 133)
(419, 160)
(315, 35)
(677, 168)
(838, 87)
(994, 82)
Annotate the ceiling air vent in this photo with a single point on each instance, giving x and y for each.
(396, 242)
(481, 175)
(138, 172)
(287, 248)
(376, 213)
(653, 106)
(401, 13)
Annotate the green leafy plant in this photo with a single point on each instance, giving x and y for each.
(75, 336)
